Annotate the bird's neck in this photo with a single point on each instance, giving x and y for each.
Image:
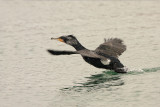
(78, 46)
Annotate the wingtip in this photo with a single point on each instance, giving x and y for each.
(48, 50)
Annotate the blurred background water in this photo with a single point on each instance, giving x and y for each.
(30, 77)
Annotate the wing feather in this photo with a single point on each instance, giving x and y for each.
(112, 47)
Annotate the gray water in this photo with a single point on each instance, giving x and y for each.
(30, 77)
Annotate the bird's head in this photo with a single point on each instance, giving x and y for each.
(68, 39)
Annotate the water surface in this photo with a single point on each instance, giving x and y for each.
(30, 77)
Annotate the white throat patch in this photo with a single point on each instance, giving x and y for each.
(106, 61)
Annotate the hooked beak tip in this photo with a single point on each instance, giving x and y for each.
(59, 39)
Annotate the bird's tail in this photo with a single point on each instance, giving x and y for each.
(55, 52)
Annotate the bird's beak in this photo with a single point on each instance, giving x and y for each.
(59, 39)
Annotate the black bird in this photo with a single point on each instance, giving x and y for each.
(105, 56)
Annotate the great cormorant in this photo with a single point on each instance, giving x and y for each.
(105, 56)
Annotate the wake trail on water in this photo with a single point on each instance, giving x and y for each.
(135, 70)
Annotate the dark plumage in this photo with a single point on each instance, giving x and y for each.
(105, 56)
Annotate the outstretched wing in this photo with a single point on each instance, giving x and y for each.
(112, 47)
(56, 52)
(90, 54)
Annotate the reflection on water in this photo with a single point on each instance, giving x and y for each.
(111, 88)
(106, 79)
